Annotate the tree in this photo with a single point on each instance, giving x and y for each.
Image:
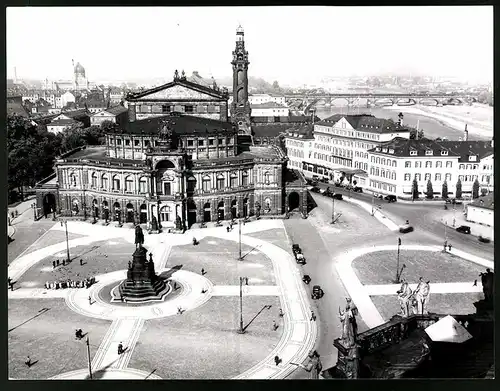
(475, 189)
(276, 86)
(458, 191)
(420, 134)
(430, 190)
(414, 189)
(444, 190)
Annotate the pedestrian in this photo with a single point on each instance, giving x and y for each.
(203, 290)
(313, 316)
(12, 286)
(475, 283)
(9, 280)
(90, 300)
(202, 271)
(175, 286)
(120, 348)
(81, 262)
(179, 310)
(64, 262)
(54, 264)
(28, 362)
(227, 229)
(449, 247)
(277, 360)
(281, 312)
(275, 326)
(57, 262)
(445, 245)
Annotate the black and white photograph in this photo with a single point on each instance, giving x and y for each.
(250, 192)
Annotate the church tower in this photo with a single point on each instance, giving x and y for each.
(240, 107)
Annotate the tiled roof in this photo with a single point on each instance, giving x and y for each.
(403, 146)
(301, 131)
(486, 201)
(63, 122)
(116, 110)
(16, 108)
(180, 124)
(76, 113)
(182, 82)
(366, 123)
(466, 148)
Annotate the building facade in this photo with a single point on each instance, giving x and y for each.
(256, 99)
(269, 109)
(481, 211)
(117, 114)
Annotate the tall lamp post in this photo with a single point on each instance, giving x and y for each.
(373, 202)
(65, 223)
(88, 355)
(398, 275)
(239, 239)
(242, 279)
(333, 210)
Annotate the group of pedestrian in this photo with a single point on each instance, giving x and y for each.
(86, 283)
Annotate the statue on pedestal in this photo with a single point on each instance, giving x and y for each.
(348, 337)
(154, 224)
(352, 312)
(139, 236)
(178, 223)
(488, 280)
(176, 74)
(404, 296)
(421, 295)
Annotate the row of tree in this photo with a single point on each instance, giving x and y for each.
(32, 150)
(429, 194)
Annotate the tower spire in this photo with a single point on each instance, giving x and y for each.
(240, 108)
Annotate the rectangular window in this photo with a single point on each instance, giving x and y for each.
(418, 164)
(448, 164)
(407, 164)
(427, 176)
(244, 179)
(407, 177)
(146, 143)
(211, 141)
(116, 184)
(188, 109)
(165, 108)
(220, 183)
(157, 109)
(428, 164)
(137, 142)
(143, 187)
(448, 177)
(201, 109)
(233, 182)
(437, 177)
(201, 143)
(217, 109)
(94, 182)
(167, 188)
(145, 109)
(127, 142)
(439, 164)
(211, 109)
(418, 177)
(190, 143)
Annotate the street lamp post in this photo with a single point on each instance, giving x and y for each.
(65, 223)
(398, 276)
(373, 201)
(239, 240)
(333, 210)
(88, 356)
(242, 279)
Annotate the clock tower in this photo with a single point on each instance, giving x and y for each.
(240, 108)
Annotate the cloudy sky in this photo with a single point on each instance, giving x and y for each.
(288, 44)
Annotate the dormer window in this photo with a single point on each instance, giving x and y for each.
(377, 149)
(429, 152)
(472, 158)
(391, 150)
(413, 152)
(444, 153)
(384, 149)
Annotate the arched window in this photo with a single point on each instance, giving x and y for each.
(393, 175)
(461, 166)
(129, 184)
(268, 178)
(165, 213)
(143, 185)
(244, 178)
(267, 204)
(233, 180)
(72, 179)
(378, 160)
(93, 180)
(220, 182)
(191, 184)
(382, 161)
(394, 163)
(105, 181)
(116, 182)
(206, 183)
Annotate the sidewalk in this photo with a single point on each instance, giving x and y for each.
(454, 219)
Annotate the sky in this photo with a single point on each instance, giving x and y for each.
(293, 45)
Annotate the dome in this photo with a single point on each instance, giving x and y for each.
(79, 68)
(239, 30)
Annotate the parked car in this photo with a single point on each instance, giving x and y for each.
(300, 259)
(453, 201)
(306, 279)
(317, 292)
(483, 239)
(405, 228)
(357, 189)
(464, 229)
(324, 180)
(390, 198)
(338, 184)
(296, 248)
(337, 196)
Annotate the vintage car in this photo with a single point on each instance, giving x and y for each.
(306, 278)
(390, 198)
(314, 189)
(317, 292)
(337, 196)
(299, 257)
(463, 229)
(405, 228)
(357, 189)
(483, 239)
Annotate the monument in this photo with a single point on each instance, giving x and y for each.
(485, 306)
(142, 283)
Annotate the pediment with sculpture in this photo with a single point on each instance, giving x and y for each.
(175, 92)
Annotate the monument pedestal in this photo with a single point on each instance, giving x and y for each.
(142, 283)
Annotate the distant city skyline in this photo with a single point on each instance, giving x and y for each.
(293, 45)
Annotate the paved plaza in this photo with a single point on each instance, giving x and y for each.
(199, 342)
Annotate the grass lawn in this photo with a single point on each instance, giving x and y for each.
(274, 236)
(380, 267)
(118, 252)
(445, 303)
(49, 338)
(53, 237)
(203, 344)
(218, 258)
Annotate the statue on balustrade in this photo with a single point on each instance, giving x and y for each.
(421, 295)
(348, 337)
(313, 366)
(139, 236)
(353, 312)
(404, 296)
(488, 280)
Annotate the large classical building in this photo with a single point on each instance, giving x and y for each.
(178, 155)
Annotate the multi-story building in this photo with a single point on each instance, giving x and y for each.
(68, 119)
(166, 165)
(298, 144)
(117, 114)
(269, 109)
(395, 164)
(341, 143)
(256, 99)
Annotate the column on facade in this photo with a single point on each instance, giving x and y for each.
(227, 208)
(239, 205)
(199, 210)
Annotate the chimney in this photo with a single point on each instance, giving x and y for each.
(466, 133)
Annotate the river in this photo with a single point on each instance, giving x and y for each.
(448, 121)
